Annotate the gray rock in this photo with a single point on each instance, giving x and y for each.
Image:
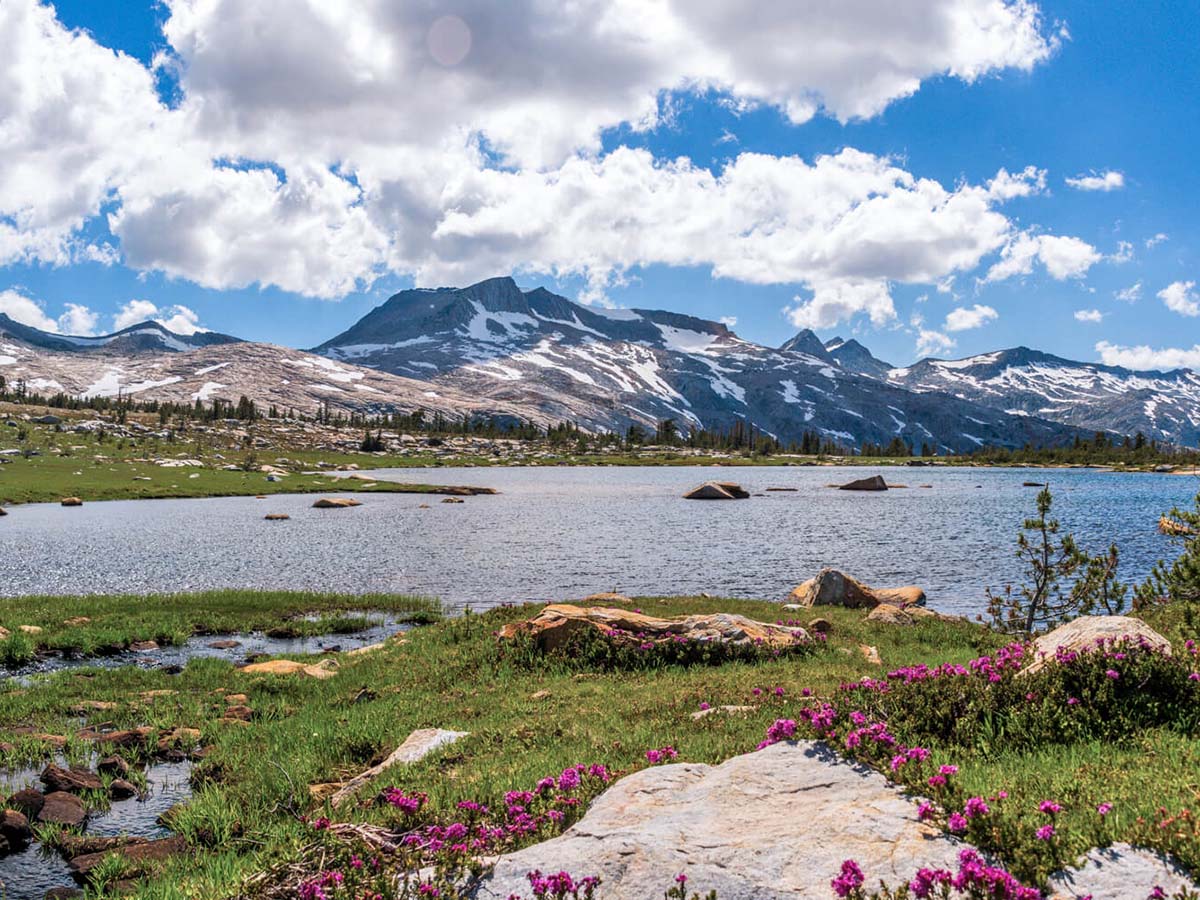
(874, 483)
(1083, 633)
(1116, 873)
(768, 825)
(416, 747)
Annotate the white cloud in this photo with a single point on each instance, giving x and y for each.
(728, 321)
(932, 343)
(1124, 253)
(1063, 257)
(1089, 315)
(1156, 240)
(1131, 294)
(371, 135)
(1180, 297)
(78, 320)
(25, 310)
(178, 319)
(1143, 357)
(1026, 183)
(964, 318)
(1098, 181)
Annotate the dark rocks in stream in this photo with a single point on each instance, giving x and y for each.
(61, 808)
(136, 856)
(28, 801)
(15, 832)
(73, 780)
(113, 765)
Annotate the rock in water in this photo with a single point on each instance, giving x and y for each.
(335, 503)
(769, 825)
(553, 627)
(61, 808)
(717, 490)
(834, 588)
(71, 501)
(1083, 634)
(874, 483)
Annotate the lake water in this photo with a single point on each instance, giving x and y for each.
(557, 533)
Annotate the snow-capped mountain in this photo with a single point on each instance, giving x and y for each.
(48, 364)
(1161, 405)
(607, 369)
(854, 357)
(145, 337)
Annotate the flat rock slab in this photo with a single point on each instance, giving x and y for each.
(137, 856)
(768, 825)
(326, 668)
(1084, 633)
(1117, 873)
(552, 628)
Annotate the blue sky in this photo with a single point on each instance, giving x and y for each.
(1115, 90)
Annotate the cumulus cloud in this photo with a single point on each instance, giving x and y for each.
(1089, 315)
(1131, 294)
(1062, 256)
(78, 320)
(1124, 253)
(21, 308)
(1156, 240)
(1142, 357)
(1098, 181)
(964, 318)
(1180, 297)
(178, 319)
(364, 139)
(933, 343)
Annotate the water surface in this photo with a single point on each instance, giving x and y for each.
(558, 532)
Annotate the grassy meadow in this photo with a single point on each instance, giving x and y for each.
(527, 718)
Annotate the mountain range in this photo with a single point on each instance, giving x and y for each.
(493, 349)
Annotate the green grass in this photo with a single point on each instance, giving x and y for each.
(116, 621)
(255, 779)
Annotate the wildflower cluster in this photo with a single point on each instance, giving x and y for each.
(974, 880)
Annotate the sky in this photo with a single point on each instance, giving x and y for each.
(934, 177)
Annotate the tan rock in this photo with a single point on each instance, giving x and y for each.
(1084, 633)
(335, 503)
(452, 500)
(554, 626)
(276, 517)
(833, 588)
(71, 501)
(870, 654)
(30, 629)
(326, 668)
(75, 621)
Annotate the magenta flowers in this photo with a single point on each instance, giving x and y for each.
(662, 754)
(849, 880)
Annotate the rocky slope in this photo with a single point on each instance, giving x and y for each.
(607, 369)
(270, 375)
(1162, 405)
(145, 337)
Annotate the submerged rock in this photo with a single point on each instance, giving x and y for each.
(769, 825)
(717, 490)
(557, 623)
(834, 588)
(1087, 632)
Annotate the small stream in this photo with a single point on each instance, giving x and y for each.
(29, 874)
(249, 645)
